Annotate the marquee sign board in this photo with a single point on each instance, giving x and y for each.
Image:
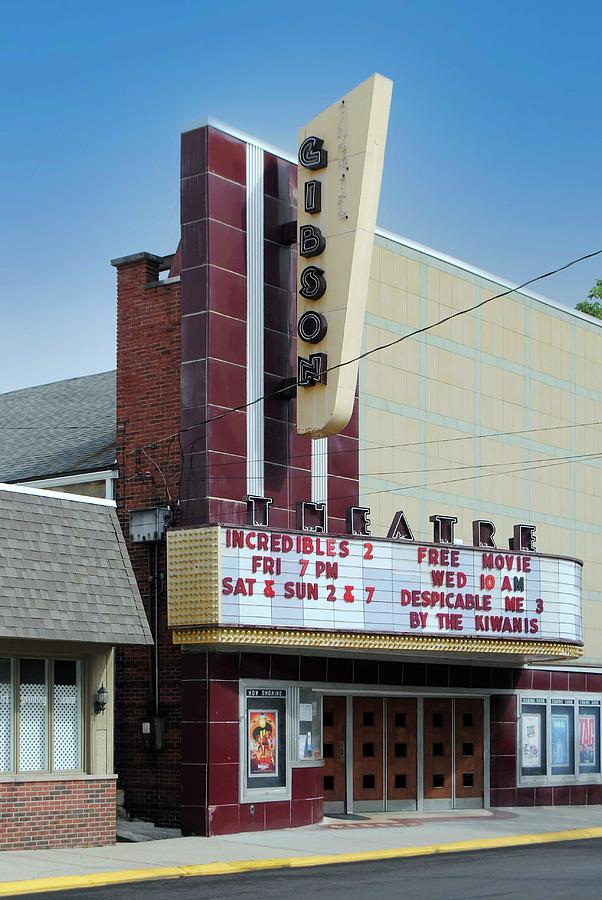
(276, 580)
(341, 155)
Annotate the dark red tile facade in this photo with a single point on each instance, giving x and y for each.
(210, 767)
(213, 274)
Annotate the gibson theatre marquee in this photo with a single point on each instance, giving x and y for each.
(332, 669)
(248, 586)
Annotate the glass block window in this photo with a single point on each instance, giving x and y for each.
(66, 716)
(6, 716)
(33, 716)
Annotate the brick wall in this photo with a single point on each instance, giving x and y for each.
(41, 815)
(148, 411)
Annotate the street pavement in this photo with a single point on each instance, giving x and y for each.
(568, 871)
(335, 839)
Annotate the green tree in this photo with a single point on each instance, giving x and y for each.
(592, 306)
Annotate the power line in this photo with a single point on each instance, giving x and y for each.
(468, 437)
(411, 487)
(398, 340)
(452, 466)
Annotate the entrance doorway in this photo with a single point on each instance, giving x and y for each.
(453, 753)
(383, 754)
(334, 743)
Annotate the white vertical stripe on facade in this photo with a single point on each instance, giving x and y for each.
(255, 362)
(319, 470)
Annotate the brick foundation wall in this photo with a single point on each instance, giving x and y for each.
(43, 815)
(148, 410)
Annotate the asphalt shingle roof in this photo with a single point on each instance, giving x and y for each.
(65, 573)
(58, 429)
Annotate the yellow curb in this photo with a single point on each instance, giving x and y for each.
(234, 867)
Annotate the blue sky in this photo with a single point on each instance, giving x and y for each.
(493, 156)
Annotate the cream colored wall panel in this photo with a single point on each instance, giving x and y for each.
(387, 268)
(413, 276)
(373, 305)
(564, 492)
(400, 272)
(375, 264)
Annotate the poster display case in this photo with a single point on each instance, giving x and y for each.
(533, 736)
(563, 737)
(559, 739)
(280, 729)
(265, 739)
(589, 736)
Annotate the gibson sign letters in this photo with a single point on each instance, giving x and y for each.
(341, 155)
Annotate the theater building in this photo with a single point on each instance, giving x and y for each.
(373, 585)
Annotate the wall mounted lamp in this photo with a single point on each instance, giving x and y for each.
(102, 697)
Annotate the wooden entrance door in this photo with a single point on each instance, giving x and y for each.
(368, 756)
(401, 753)
(469, 752)
(438, 753)
(334, 712)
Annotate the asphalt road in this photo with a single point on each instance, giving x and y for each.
(545, 872)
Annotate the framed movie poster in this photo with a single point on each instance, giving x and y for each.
(587, 740)
(562, 726)
(531, 741)
(533, 738)
(265, 736)
(589, 736)
(560, 741)
(262, 741)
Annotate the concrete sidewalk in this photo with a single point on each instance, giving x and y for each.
(333, 837)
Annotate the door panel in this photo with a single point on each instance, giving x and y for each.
(401, 753)
(368, 759)
(438, 753)
(334, 713)
(469, 752)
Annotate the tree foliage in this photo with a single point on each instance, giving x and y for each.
(592, 306)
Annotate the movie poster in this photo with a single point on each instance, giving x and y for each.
(560, 740)
(263, 742)
(587, 740)
(531, 745)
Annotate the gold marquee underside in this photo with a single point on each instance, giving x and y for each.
(340, 640)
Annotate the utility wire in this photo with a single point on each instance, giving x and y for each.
(453, 466)
(468, 437)
(398, 340)
(411, 487)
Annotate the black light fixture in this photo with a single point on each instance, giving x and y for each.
(102, 697)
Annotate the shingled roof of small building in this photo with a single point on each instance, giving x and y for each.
(63, 428)
(65, 573)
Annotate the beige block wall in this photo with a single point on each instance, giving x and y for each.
(436, 412)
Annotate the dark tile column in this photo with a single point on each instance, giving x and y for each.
(503, 712)
(214, 304)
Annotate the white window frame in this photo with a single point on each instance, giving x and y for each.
(49, 661)
(109, 476)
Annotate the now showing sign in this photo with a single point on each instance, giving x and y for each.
(300, 581)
